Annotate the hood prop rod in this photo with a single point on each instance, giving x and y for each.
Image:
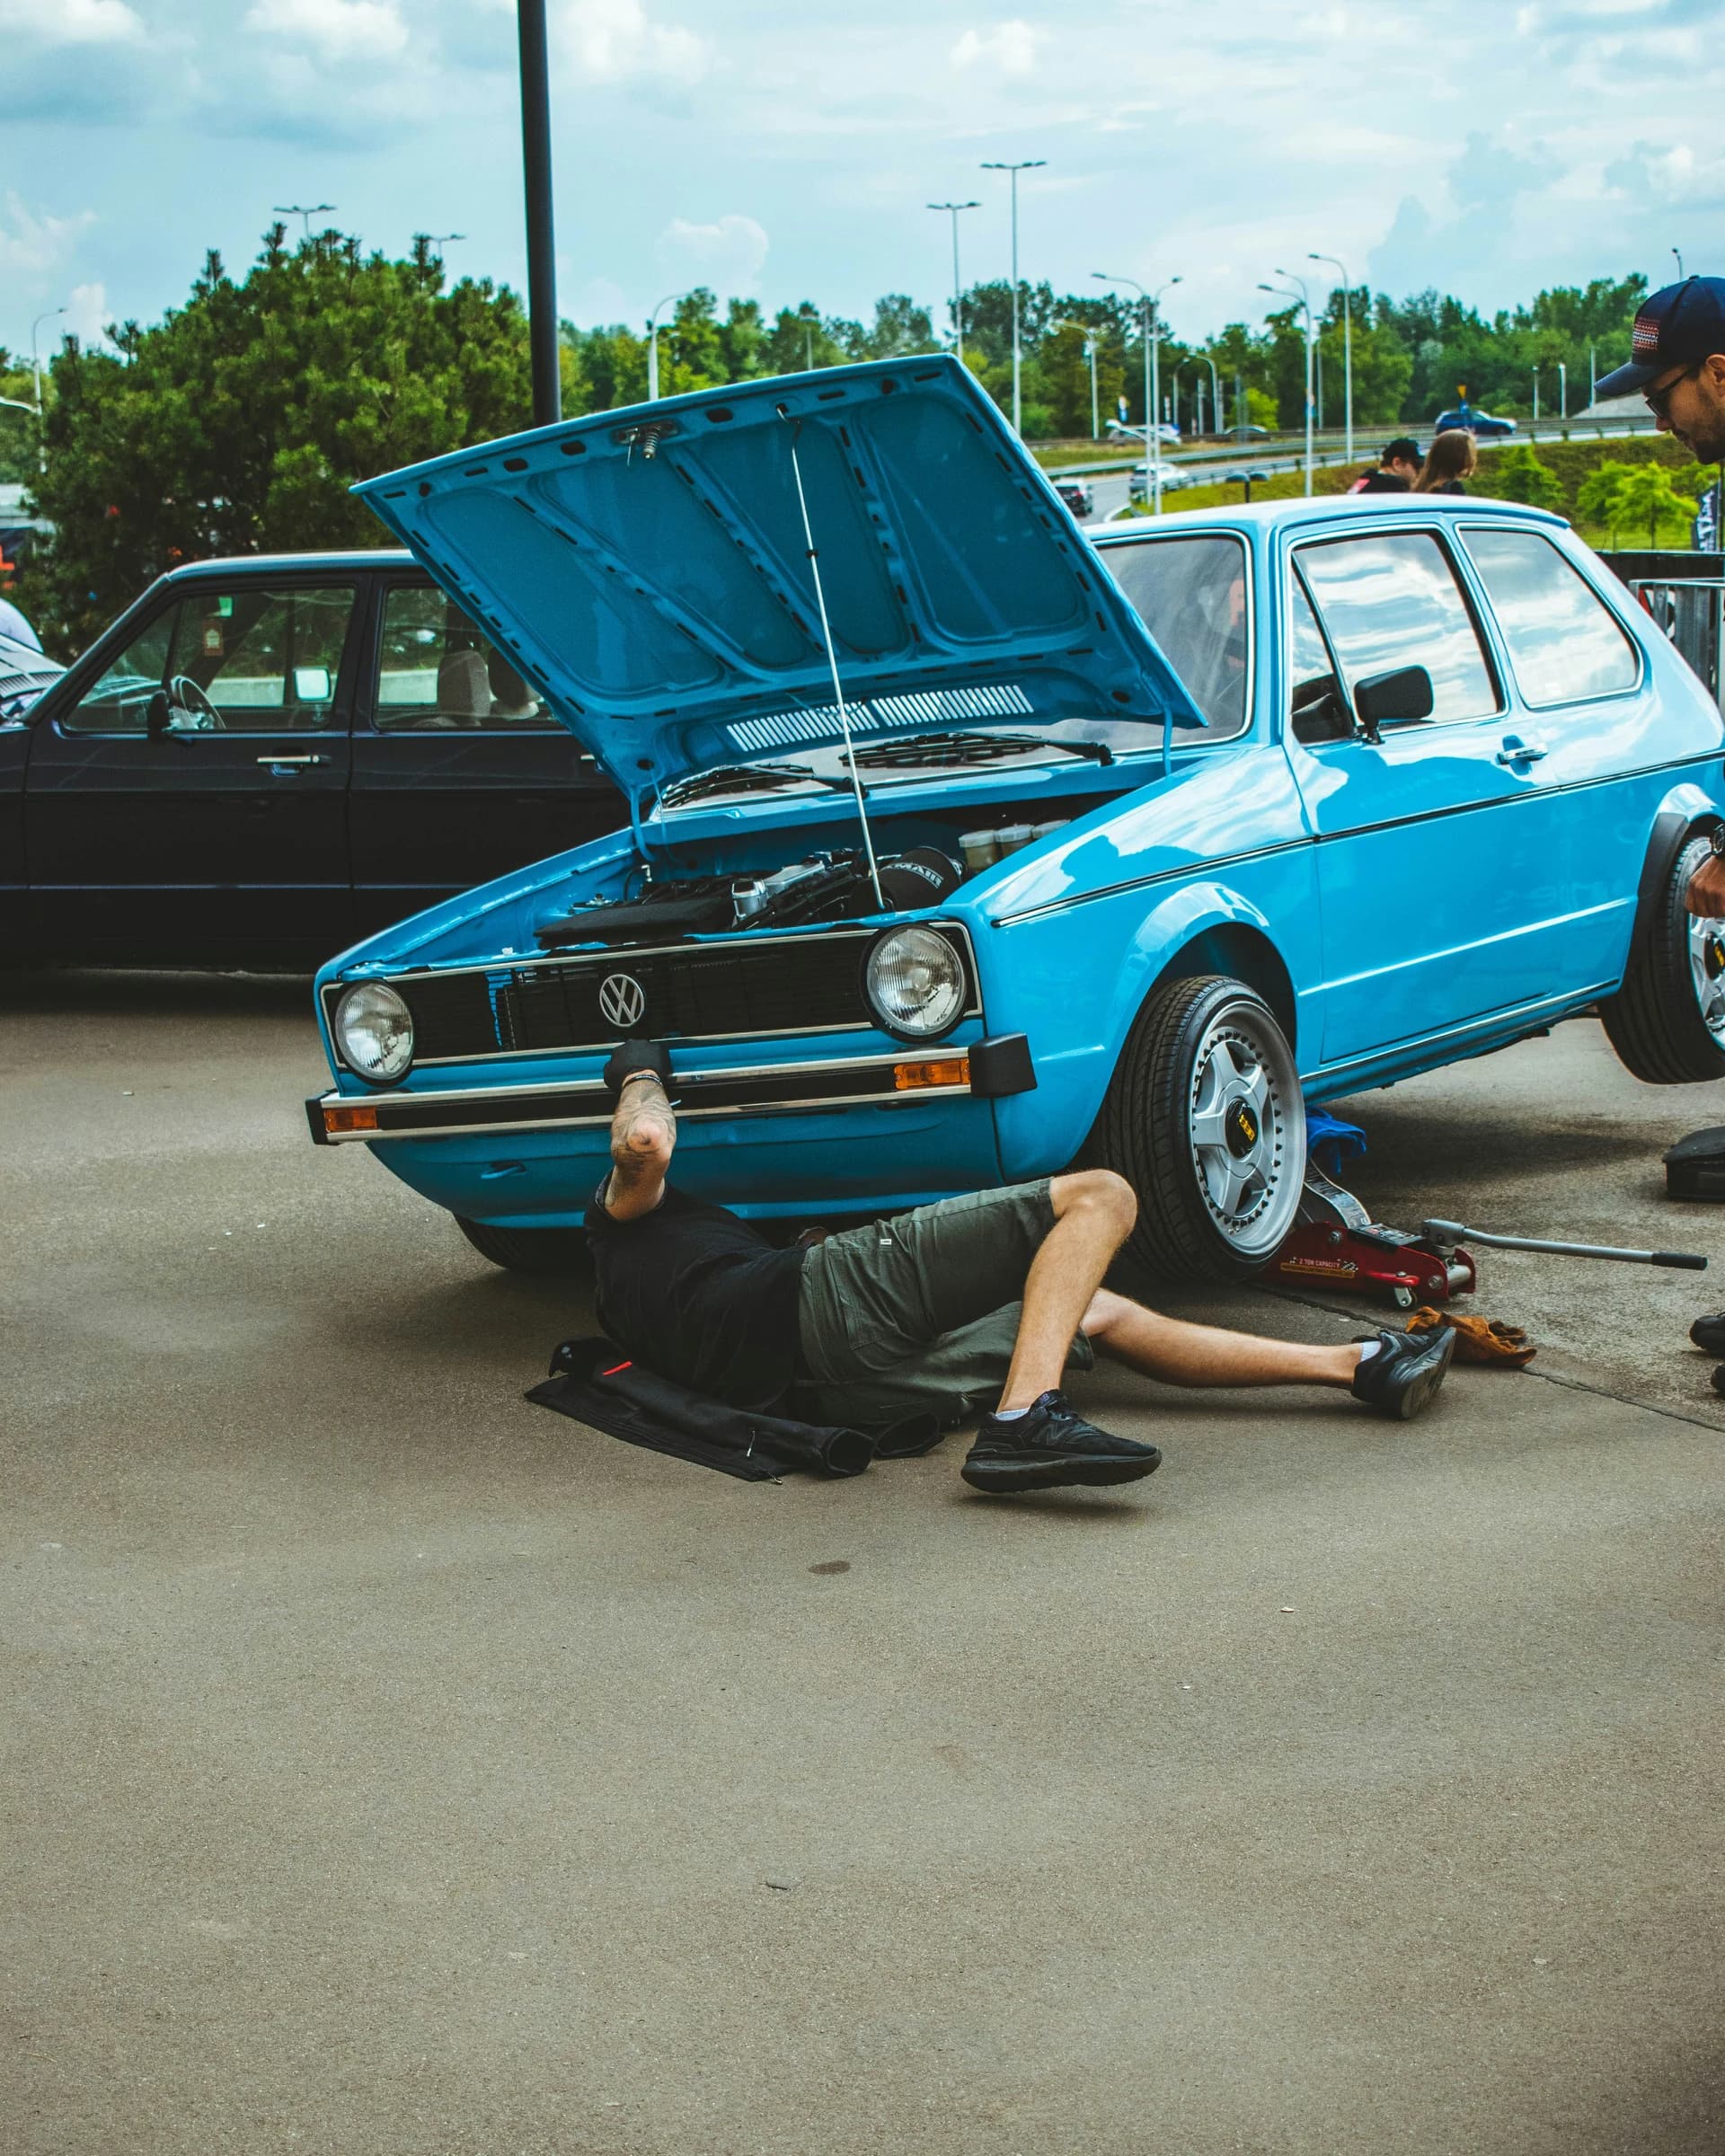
(832, 664)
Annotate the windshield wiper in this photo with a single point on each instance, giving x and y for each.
(924, 752)
(743, 778)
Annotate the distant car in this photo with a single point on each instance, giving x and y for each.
(1165, 433)
(24, 674)
(1473, 422)
(265, 758)
(1173, 477)
(1169, 833)
(1076, 495)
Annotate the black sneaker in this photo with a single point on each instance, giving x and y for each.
(1407, 1368)
(1709, 1332)
(1048, 1445)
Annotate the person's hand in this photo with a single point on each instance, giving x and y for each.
(1705, 892)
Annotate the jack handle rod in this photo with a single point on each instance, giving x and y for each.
(1453, 1231)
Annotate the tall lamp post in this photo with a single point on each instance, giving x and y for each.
(957, 288)
(1025, 164)
(307, 210)
(536, 171)
(1300, 295)
(669, 300)
(1679, 253)
(1535, 393)
(1563, 391)
(1347, 343)
(36, 376)
(1216, 396)
(1150, 303)
(1066, 323)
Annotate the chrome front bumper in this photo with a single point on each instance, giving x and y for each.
(986, 1070)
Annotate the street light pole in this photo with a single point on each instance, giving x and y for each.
(1679, 253)
(301, 209)
(1347, 344)
(1592, 378)
(669, 300)
(1300, 294)
(1025, 164)
(1150, 303)
(36, 376)
(536, 168)
(1535, 393)
(957, 288)
(1216, 396)
(1563, 391)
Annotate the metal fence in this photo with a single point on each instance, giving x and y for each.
(1685, 593)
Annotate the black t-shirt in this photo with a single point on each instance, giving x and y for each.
(1383, 482)
(695, 1294)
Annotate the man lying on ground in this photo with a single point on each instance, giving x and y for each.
(989, 1297)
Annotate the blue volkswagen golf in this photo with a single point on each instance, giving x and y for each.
(958, 847)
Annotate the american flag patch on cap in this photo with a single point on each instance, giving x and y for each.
(1645, 336)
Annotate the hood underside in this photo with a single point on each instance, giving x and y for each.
(649, 570)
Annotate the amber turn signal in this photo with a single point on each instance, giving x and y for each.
(339, 1120)
(952, 1070)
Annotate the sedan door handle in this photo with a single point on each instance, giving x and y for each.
(297, 760)
(1519, 752)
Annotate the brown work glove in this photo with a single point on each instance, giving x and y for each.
(1477, 1339)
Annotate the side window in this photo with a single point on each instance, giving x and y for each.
(1316, 708)
(120, 702)
(1391, 600)
(1563, 644)
(436, 671)
(1192, 594)
(256, 660)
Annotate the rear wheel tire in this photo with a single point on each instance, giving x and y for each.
(552, 1254)
(1205, 1120)
(1668, 1021)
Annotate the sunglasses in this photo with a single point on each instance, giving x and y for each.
(1658, 400)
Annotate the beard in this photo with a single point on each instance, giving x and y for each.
(1706, 440)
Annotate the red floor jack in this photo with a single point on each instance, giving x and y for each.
(1338, 1243)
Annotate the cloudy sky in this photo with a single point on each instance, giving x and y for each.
(786, 148)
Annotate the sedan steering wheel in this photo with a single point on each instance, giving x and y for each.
(185, 695)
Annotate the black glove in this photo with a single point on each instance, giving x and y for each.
(637, 1055)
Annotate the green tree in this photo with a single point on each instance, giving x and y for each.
(17, 428)
(1520, 476)
(1599, 499)
(238, 423)
(1646, 492)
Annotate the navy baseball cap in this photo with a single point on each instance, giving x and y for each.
(1676, 327)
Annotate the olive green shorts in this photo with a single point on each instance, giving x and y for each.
(920, 1313)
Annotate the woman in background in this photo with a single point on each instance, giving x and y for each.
(1452, 458)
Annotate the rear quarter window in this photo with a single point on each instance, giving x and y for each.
(1564, 644)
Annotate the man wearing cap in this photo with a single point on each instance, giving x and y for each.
(1398, 466)
(1677, 363)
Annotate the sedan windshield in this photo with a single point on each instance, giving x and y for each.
(1191, 595)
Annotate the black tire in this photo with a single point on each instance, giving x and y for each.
(1657, 1022)
(552, 1254)
(1163, 1093)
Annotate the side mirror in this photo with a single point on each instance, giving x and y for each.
(156, 715)
(1383, 699)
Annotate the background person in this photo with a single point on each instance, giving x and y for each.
(987, 1297)
(1454, 456)
(1398, 466)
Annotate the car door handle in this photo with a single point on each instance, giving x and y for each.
(1520, 752)
(295, 760)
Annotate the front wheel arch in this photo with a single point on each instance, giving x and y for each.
(1244, 953)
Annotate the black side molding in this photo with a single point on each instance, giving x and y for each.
(1001, 1064)
(315, 1117)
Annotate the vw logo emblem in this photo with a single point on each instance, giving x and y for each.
(621, 999)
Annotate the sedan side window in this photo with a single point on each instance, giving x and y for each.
(119, 702)
(257, 661)
(1391, 600)
(1316, 708)
(1563, 644)
(436, 672)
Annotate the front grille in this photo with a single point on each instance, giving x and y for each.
(781, 985)
(796, 985)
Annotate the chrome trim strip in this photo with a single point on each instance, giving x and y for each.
(935, 1052)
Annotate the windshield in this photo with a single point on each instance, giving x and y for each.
(1192, 595)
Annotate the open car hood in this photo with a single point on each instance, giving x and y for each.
(647, 569)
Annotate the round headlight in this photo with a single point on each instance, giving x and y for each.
(374, 1030)
(915, 982)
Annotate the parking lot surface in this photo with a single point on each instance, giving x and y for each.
(396, 1769)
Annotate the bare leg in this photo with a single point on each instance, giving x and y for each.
(643, 1137)
(1093, 1213)
(1180, 1353)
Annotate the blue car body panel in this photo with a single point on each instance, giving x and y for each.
(1400, 904)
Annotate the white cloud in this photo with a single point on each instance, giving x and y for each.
(729, 254)
(29, 243)
(1009, 47)
(610, 41)
(88, 314)
(73, 22)
(335, 30)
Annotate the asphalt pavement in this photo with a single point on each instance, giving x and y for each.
(396, 1769)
